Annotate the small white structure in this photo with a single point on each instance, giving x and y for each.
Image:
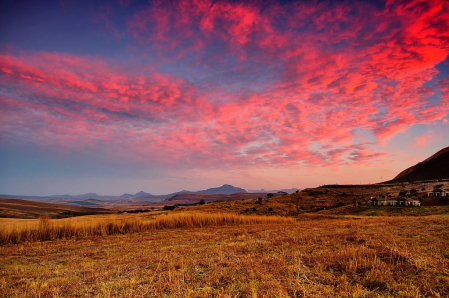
(409, 202)
(401, 201)
(438, 192)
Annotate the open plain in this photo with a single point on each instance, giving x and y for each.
(308, 256)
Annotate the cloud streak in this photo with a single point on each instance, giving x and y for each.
(238, 84)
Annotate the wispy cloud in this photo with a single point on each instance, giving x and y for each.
(263, 83)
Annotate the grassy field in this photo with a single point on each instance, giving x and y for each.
(316, 243)
(80, 227)
(371, 256)
(304, 204)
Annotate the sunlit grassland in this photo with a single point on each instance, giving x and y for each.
(304, 205)
(79, 227)
(367, 257)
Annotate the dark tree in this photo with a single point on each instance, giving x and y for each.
(202, 202)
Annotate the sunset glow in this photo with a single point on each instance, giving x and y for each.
(117, 97)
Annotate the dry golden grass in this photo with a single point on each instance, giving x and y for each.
(52, 229)
(370, 257)
(318, 205)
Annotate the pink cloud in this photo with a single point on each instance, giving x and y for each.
(422, 141)
(316, 73)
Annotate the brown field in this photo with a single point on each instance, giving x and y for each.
(187, 198)
(14, 208)
(317, 202)
(46, 229)
(311, 257)
(315, 243)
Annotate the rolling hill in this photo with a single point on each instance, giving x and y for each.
(226, 189)
(433, 168)
(16, 208)
(190, 198)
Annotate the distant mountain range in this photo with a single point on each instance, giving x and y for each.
(432, 168)
(287, 190)
(93, 199)
(226, 189)
(139, 194)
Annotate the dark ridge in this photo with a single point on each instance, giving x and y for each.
(435, 167)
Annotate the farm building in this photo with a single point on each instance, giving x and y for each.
(438, 192)
(401, 201)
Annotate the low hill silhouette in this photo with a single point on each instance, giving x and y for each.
(191, 198)
(433, 168)
(16, 208)
(226, 189)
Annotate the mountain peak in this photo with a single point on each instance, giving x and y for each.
(142, 193)
(226, 189)
(89, 194)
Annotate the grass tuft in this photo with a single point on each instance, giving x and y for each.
(50, 229)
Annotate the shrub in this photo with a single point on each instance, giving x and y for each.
(202, 202)
(169, 207)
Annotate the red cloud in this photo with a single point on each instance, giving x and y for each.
(278, 78)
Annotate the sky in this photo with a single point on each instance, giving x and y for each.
(120, 96)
